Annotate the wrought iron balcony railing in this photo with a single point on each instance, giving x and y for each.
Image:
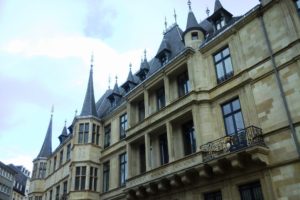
(247, 137)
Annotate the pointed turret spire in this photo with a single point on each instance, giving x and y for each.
(218, 5)
(191, 21)
(46, 149)
(89, 106)
(64, 133)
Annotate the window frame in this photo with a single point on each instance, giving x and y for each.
(106, 176)
(227, 75)
(160, 98)
(141, 110)
(163, 149)
(107, 135)
(80, 178)
(252, 185)
(122, 169)
(232, 114)
(83, 133)
(214, 195)
(68, 155)
(189, 139)
(183, 84)
(93, 179)
(123, 125)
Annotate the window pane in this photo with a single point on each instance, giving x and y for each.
(239, 121)
(220, 70)
(217, 57)
(226, 109)
(80, 127)
(228, 65)
(77, 171)
(298, 4)
(83, 172)
(86, 127)
(236, 105)
(225, 51)
(229, 125)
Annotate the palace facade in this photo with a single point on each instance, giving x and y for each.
(214, 115)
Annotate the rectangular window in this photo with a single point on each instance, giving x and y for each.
(220, 23)
(123, 168)
(142, 154)
(80, 176)
(65, 191)
(97, 135)
(223, 65)
(160, 98)
(195, 36)
(189, 138)
(83, 135)
(233, 117)
(57, 193)
(123, 125)
(107, 131)
(93, 179)
(50, 195)
(213, 195)
(141, 110)
(94, 134)
(106, 169)
(54, 164)
(251, 191)
(61, 157)
(69, 152)
(183, 84)
(163, 149)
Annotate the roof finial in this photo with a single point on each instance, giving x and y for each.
(76, 112)
(92, 60)
(65, 122)
(130, 66)
(52, 111)
(175, 16)
(109, 81)
(145, 54)
(116, 79)
(207, 11)
(166, 24)
(189, 4)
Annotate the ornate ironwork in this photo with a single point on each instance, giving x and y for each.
(244, 138)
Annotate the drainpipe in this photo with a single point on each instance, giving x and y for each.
(279, 84)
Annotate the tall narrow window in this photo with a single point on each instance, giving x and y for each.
(50, 195)
(298, 5)
(57, 193)
(141, 110)
(223, 65)
(183, 84)
(233, 117)
(94, 134)
(123, 125)
(83, 135)
(213, 195)
(65, 188)
(61, 157)
(97, 135)
(160, 98)
(106, 169)
(80, 177)
(142, 154)
(69, 152)
(107, 130)
(163, 149)
(251, 191)
(54, 164)
(34, 172)
(123, 168)
(189, 138)
(93, 179)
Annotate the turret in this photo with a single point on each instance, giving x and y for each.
(194, 34)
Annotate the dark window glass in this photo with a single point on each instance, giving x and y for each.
(142, 154)
(57, 193)
(65, 187)
(223, 65)
(194, 36)
(50, 195)
(183, 84)
(163, 149)
(189, 138)
(123, 168)
(160, 97)
(98, 135)
(106, 169)
(233, 117)
(141, 110)
(213, 195)
(251, 191)
(164, 59)
(69, 152)
(61, 158)
(93, 179)
(220, 23)
(80, 177)
(123, 126)
(298, 5)
(107, 132)
(83, 134)
(94, 134)
(54, 164)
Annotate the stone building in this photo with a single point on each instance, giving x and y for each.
(21, 183)
(214, 115)
(7, 178)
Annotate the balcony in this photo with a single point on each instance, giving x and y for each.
(222, 156)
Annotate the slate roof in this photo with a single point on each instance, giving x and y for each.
(218, 5)
(64, 134)
(46, 149)
(89, 106)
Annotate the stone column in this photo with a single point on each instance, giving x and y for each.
(170, 142)
(146, 102)
(148, 152)
(167, 89)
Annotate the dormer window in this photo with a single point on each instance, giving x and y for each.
(163, 59)
(194, 35)
(220, 23)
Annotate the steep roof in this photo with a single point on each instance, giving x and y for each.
(64, 134)
(46, 149)
(89, 106)
(218, 5)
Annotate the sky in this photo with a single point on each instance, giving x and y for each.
(45, 53)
